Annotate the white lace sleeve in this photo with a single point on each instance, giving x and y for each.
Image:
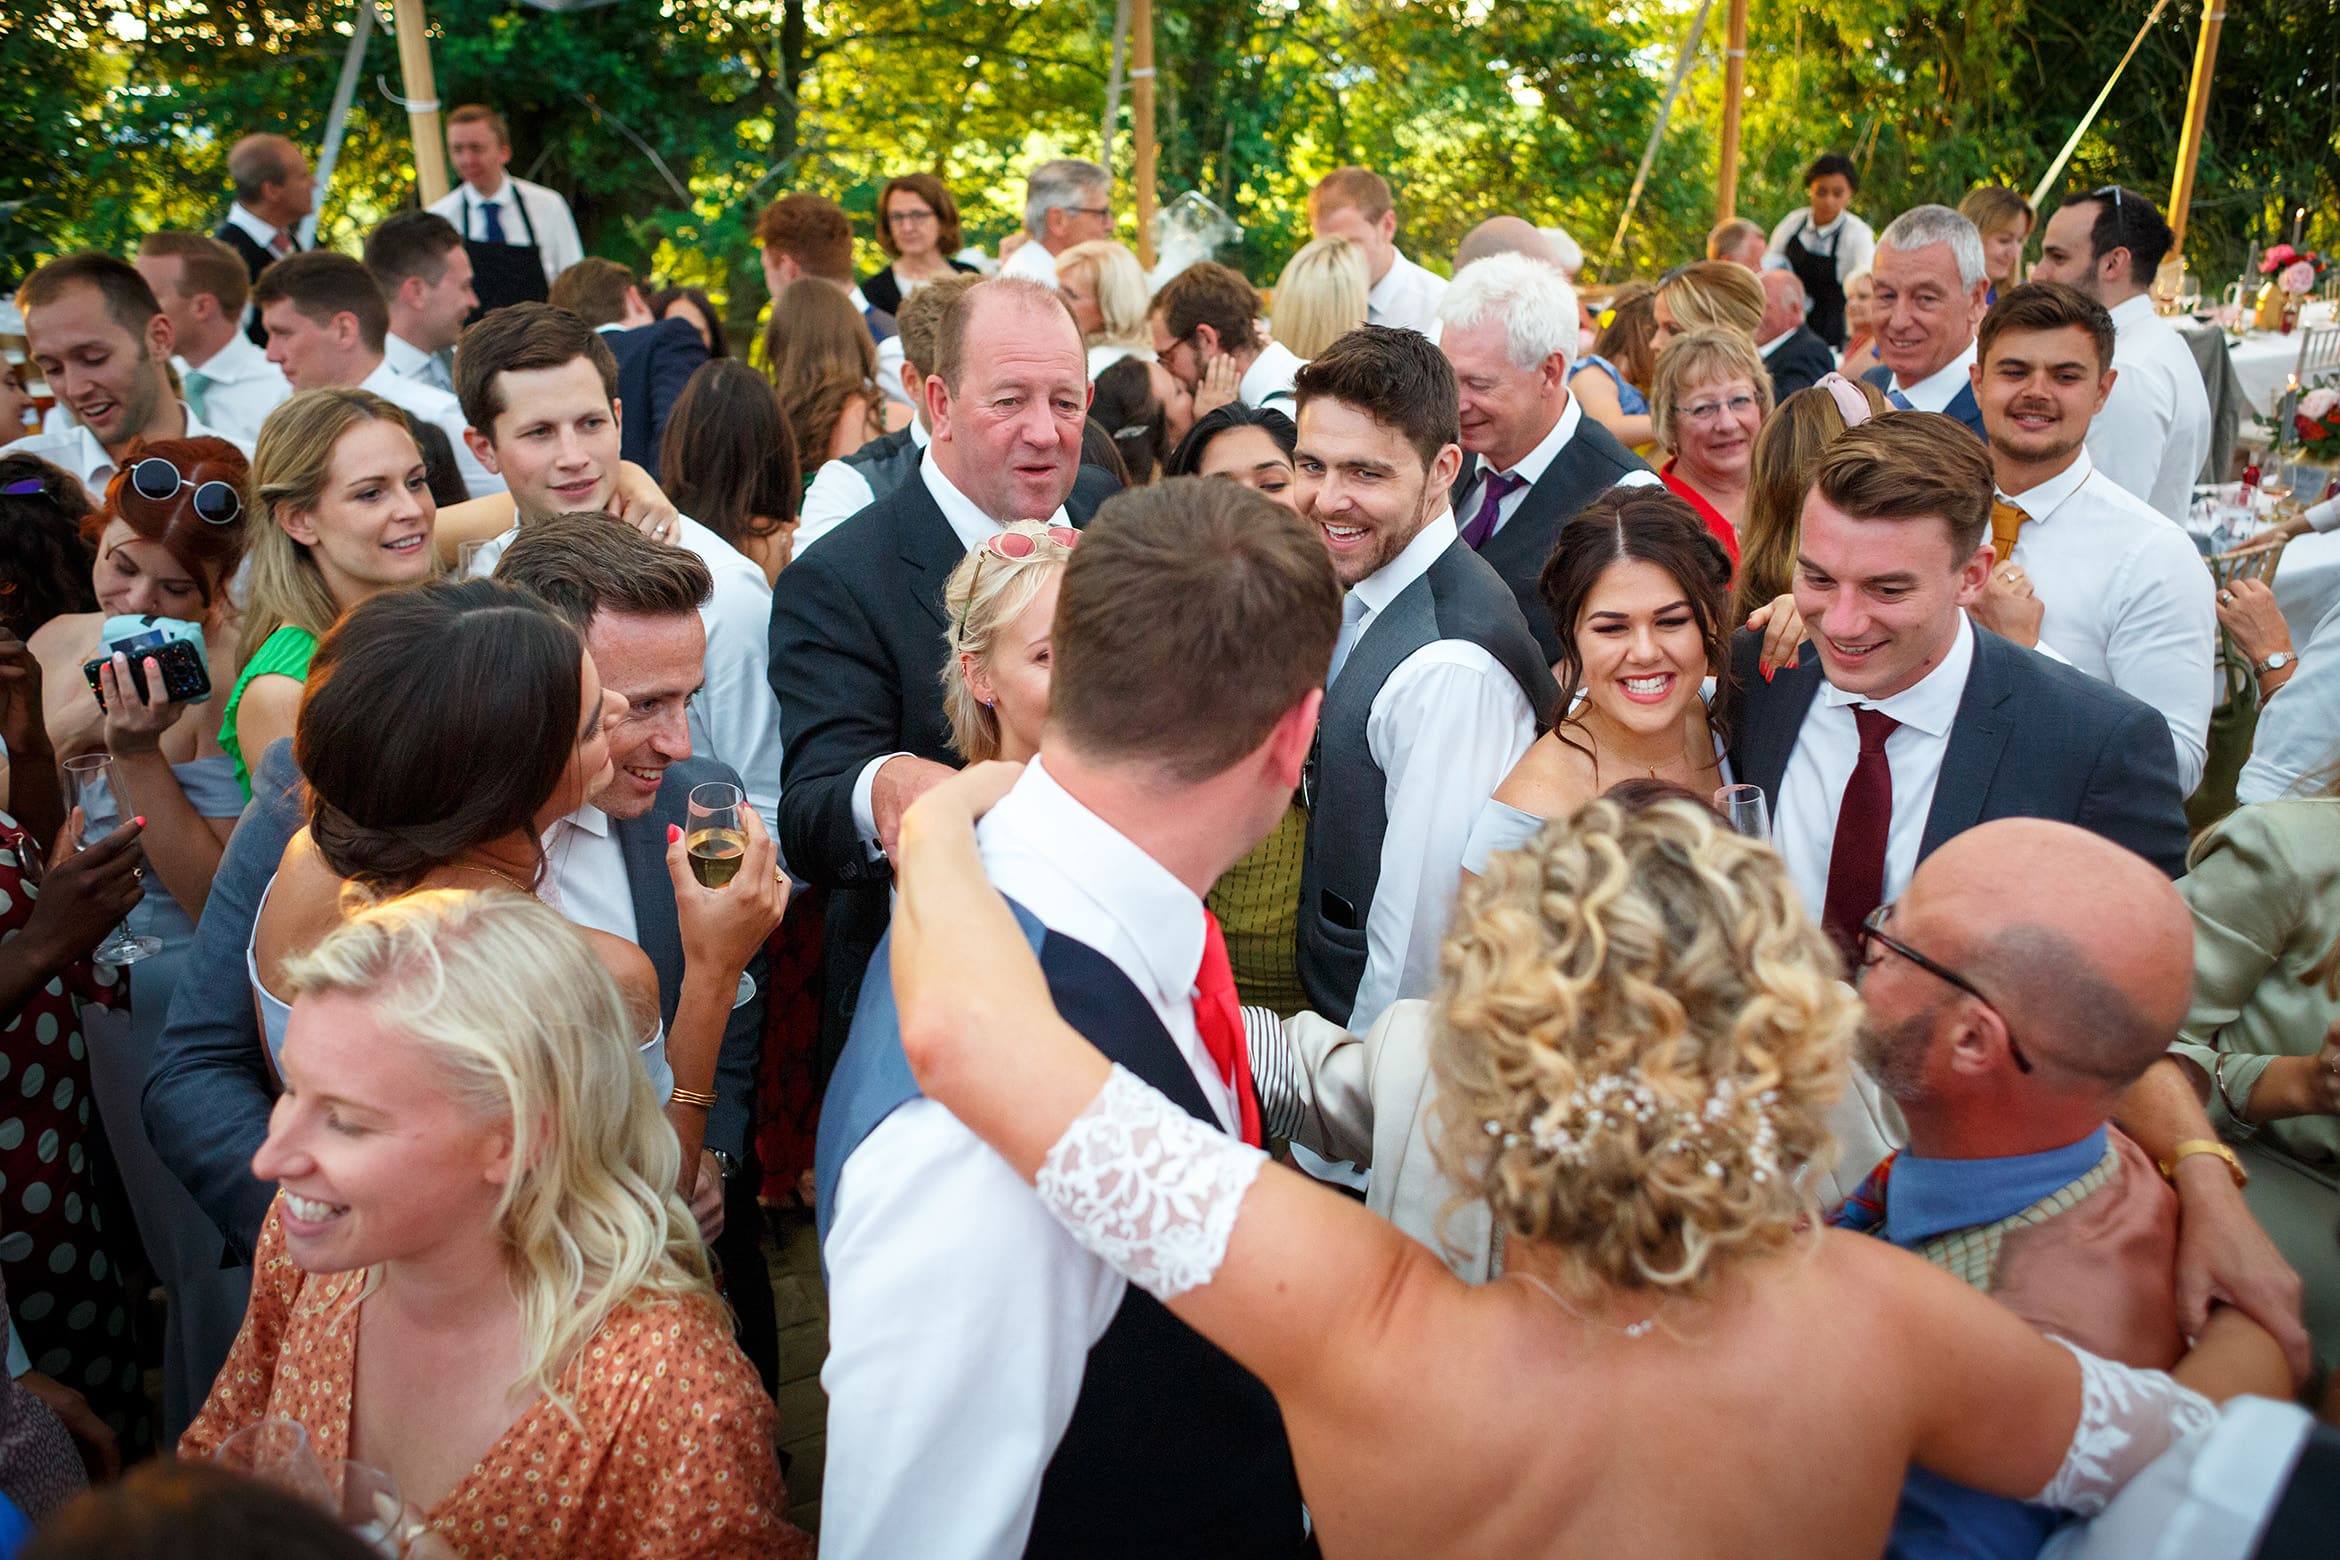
(1145, 1186)
(2128, 1417)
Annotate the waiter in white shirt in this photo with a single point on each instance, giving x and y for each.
(1356, 204)
(520, 235)
(2086, 571)
(1824, 244)
(1066, 201)
(202, 287)
(2154, 432)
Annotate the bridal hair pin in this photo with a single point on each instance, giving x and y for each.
(1567, 1128)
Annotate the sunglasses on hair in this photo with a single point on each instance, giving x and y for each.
(1011, 545)
(2111, 192)
(24, 489)
(156, 479)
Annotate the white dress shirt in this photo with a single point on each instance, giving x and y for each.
(1829, 744)
(2212, 1496)
(1268, 381)
(549, 218)
(240, 387)
(439, 408)
(2299, 724)
(1445, 728)
(1032, 261)
(1532, 466)
(1104, 356)
(973, 528)
(1939, 388)
(2126, 599)
(1406, 297)
(2154, 431)
(260, 231)
(409, 361)
(1856, 241)
(839, 492)
(585, 874)
(735, 719)
(960, 1313)
(77, 450)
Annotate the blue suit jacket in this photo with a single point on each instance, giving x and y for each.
(209, 1093)
(654, 363)
(1962, 407)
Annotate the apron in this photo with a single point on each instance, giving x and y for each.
(1816, 269)
(509, 272)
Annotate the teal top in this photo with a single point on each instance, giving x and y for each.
(284, 653)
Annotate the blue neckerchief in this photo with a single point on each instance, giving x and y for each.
(1930, 1197)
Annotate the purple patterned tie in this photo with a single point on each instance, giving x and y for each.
(1499, 486)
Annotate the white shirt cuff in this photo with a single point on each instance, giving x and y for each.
(864, 810)
(2324, 516)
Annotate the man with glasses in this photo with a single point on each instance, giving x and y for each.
(2025, 982)
(1066, 201)
(1931, 291)
(2154, 432)
(1208, 312)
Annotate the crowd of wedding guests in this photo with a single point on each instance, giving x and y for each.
(1417, 914)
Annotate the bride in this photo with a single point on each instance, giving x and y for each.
(1638, 1031)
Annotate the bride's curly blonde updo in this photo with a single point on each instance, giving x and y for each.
(1638, 1031)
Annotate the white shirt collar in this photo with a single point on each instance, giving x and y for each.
(262, 232)
(918, 434)
(587, 819)
(860, 303)
(1931, 703)
(239, 359)
(385, 382)
(1539, 460)
(1269, 376)
(966, 517)
(1939, 388)
(505, 188)
(2131, 310)
(1766, 348)
(1393, 281)
(1381, 587)
(2043, 499)
(401, 355)
(1815, 228)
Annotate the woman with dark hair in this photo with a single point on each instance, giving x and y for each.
(1613, 380)
(729, 462)
(1824, 243)
(693, 304)
(1641, 591)
(918, 228)
(823, 364)
(1252, 445)
(45, 558)
(1146, 412)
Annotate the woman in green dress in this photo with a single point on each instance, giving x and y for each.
(341, 509)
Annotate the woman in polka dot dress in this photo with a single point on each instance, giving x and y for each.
(59, 1252)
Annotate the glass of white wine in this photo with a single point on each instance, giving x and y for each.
(712, 833)
(89, 779)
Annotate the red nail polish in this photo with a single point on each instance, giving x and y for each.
(1767, 674)
(141, 822)
(672, 834)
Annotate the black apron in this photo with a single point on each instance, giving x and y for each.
(1816, 269)
(509, 272)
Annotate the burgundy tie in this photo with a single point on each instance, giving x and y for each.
(1498, 487)
(1856, 864)
(1218, 1015)
(282, 243)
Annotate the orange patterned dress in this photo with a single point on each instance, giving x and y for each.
(675, 1457)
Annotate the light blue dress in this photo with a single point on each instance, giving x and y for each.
(1629, 400)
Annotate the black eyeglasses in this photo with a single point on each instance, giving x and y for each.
(1873, 931)
(1090, 211)
(158, 480)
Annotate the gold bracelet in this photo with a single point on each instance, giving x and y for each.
(683, 1096)
(2192, 1146)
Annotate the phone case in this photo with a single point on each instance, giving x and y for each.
(186, 680)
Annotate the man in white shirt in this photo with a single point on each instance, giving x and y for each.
(1797, 358)
(491, 207)
(1208, 312)
(202, 287)
(326, 325)
(2154, 431)
(994, 1390)
(2095, 577)
(424, 271)
(94, 330)
(1929, 284)
(1436, 688)
(1531, 458)
(1356, 204)
(843, 488)
(539, 391)
(1066, 201)
(1823, 243)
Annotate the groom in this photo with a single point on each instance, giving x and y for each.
(993, 1389)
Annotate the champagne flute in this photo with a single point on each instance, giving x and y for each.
(365, 1500)
(278, 1452)
(88, 779)
(1746, 808)
(712, 833)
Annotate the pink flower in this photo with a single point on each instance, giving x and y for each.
(2276, 259)
(2317, 404)
(2298, 277)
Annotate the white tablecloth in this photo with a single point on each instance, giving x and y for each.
(2263, 360)
(2307, 582)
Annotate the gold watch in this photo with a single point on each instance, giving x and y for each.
(2192, 1146)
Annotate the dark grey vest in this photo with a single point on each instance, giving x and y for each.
(1459, 597)
(886, 462)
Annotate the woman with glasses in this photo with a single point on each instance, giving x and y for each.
(918, 228)
(169, 537)
(1710, 395)
(1002, 601)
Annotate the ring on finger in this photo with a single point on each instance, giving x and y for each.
(2226, 596)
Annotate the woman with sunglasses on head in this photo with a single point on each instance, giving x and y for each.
(1002, 603)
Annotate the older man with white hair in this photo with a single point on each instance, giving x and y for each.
(1931, 292)
(1531, 458)
(1066, 201)
(1798, 358)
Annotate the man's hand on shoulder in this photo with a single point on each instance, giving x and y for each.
(899, 782)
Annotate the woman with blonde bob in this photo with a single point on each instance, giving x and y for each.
(1708, 295)
(1103, 285)
(1636, 1033)
(476, 1276)
(1707, 403)
(1001, 600)
(1320, 297)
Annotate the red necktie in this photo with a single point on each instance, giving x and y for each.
(282, 243)
(1856, 863)
(1219, 1016)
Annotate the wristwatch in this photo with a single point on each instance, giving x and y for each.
(2276, 662)
(2192, 1146)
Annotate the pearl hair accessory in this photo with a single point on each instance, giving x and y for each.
(1567, 1128)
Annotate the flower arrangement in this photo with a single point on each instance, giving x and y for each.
(2294, 270)
(2317, 421)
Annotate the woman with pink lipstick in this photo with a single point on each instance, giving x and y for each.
(1707, 403)
(1642, 590)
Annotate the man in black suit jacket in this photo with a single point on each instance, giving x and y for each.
(1531, 458)
(858, 620)
(271, 180)
(1893, 549)
(655, 357)
(1794, 354)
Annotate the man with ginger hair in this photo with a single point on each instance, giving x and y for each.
(1356, 204)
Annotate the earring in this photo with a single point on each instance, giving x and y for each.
(987, 704)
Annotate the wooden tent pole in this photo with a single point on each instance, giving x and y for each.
(2181, 195)
(1141, 112)
(1726, 190)
(422, 99)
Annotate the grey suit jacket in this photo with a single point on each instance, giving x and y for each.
(209, 1092)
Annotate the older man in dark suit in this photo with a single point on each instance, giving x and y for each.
(858, 621)
(1930, 288)
(1796, 357)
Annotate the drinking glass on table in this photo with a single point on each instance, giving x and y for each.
(1746, 809)
(712, 833)
(84, 775)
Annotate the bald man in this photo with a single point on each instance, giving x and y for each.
(271, 180)
(1505, 236)
(1796, 357)
(2018, 991)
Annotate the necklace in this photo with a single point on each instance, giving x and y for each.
(475, 866)
(1640, 1329)
(1586, 724)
